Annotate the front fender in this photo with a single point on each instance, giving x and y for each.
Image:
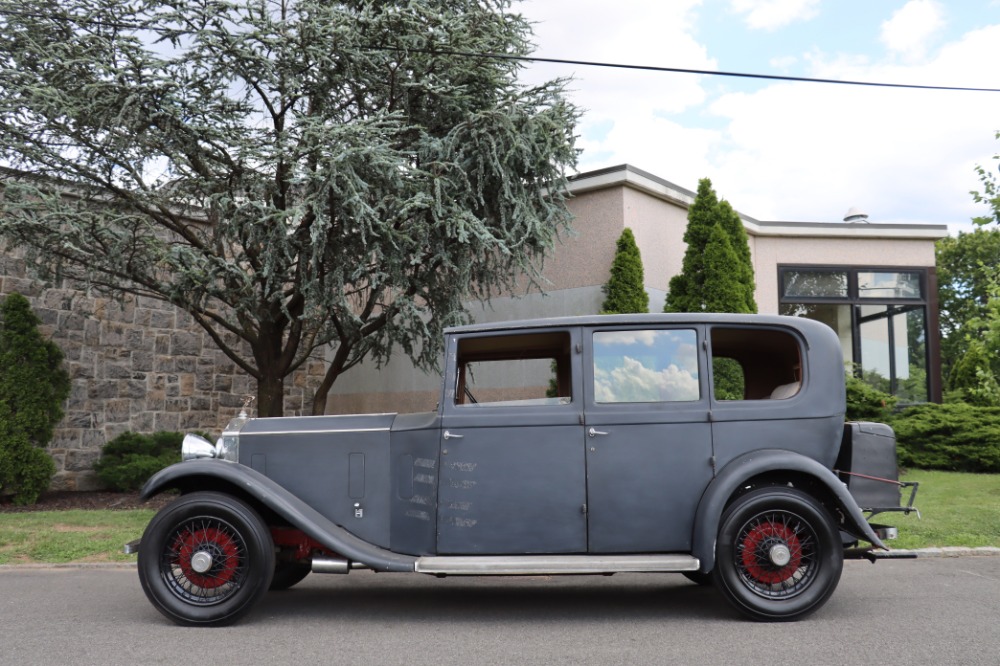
(750, 465)
(207, 474)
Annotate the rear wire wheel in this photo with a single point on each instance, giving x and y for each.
(206, 559)
(779, 555)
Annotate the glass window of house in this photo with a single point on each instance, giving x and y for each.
(876, 284)
(814, 283)
(885, 339)
(646, 366)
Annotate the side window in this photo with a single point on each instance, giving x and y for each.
(755, 364)
(507, 370)
(646, 366)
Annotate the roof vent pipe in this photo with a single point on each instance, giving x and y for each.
(855, 214)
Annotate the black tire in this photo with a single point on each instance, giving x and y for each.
(287, 574)
(778, 556)
(206, 559)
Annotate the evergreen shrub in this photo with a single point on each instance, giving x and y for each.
(33, 386)
(955, 437)
(130, 459)
(867, 403)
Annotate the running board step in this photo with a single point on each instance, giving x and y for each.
(531, 565)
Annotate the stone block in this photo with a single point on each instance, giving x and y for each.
(142, 361)
(185, 344)
(134, 389)
(201, 403)
(162, 319)
(80, 460)
(113, 334)
(165, 421)
(117, 369)
(65, 438)
(93, 439)
(103, 390)
(57, 299)
(223, 383)
(63, 481)
(78, 419)
(178, 404)
(117, 411)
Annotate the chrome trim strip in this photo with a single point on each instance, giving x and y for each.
(513, 565)
(310, 432)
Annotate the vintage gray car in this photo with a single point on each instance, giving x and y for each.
(585, 445)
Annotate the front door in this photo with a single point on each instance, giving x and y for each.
(512, 477)
(648, 438)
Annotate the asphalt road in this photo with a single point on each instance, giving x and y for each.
(926, 611)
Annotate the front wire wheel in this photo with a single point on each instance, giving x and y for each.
(206, 559)
(779, 556)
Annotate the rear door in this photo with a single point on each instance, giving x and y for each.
(648, 437)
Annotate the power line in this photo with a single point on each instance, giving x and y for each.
(680, 70)
(10, 10)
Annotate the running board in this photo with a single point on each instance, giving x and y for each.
(531, 565)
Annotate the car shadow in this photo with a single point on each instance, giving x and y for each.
(541, 599)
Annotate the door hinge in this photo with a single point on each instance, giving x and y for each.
(583, 509)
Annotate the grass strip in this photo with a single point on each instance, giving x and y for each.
(57, 537)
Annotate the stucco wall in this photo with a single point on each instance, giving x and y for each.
(770, 251)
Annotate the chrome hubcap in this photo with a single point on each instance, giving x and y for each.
(780, 555)
(201, 561)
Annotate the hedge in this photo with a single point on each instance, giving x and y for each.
(957, 437)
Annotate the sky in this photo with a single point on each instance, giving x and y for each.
(788, 151)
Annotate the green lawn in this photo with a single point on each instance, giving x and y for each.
(957, 510)
(55, 537)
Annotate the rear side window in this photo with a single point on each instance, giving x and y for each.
(755, 364)
(646, 366)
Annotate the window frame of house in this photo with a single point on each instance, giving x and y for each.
(895, 306)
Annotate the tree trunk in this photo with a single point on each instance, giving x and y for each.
(271, 396)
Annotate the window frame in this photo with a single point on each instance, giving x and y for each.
(856, 301)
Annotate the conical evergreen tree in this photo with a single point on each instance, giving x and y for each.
(33, 385)
(717, 273)
(686, 287)
(625, 291)
(729, 221)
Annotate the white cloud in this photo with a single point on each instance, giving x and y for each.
(622, 107)
(912, 27)
(774, 14)
(809, 151)
(634, 382)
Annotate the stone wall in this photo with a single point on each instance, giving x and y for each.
(138, 365)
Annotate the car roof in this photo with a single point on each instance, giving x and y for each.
(656, 319)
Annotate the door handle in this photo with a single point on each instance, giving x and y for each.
(594, 433)
(448, 435)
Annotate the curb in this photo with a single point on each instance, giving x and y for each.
(949, 551)
(68, 565)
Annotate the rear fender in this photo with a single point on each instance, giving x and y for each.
(208, 474)
(771, 462)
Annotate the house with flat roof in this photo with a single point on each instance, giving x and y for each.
(874, 284)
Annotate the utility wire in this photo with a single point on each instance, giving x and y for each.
(680, 70)
(8, 10)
